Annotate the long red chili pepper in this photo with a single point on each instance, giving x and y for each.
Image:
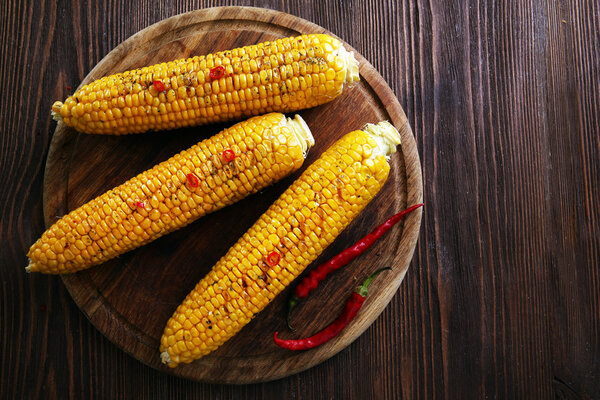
(353, 304)
(311, 281)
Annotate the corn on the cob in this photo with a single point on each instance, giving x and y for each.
(284, 75)
(292, 233)
(204, 178)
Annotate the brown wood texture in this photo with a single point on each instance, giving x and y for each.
(130, 298)
(502, 297)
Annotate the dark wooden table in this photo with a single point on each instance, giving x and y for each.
(502, 299)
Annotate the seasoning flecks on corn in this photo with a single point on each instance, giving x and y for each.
(284, 75)
(210, 175)
(292, 233)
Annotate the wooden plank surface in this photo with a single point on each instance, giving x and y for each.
(502, 298)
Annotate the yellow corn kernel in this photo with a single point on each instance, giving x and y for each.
(218, 87)
(165, 198)
(259, 272)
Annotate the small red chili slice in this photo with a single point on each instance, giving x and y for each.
(217, 72)
(228, 155)
(140, 204)
(193, 180)
(159, 86)
(273, 258)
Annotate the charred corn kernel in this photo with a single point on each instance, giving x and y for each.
(284, 75)
(256, 270)
(170, 195)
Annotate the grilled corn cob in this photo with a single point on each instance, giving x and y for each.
(284, 75)
(281, 244)
(204, 178)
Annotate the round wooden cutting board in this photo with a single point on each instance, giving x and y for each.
(130, 299)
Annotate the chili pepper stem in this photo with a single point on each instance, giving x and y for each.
(292, 303)
(363, 289)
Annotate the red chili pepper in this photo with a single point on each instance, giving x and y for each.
(353, 304)
(217, 72)
(273, 258)
(311, 281)
(228, 155)
(193, 180)
(159, 86)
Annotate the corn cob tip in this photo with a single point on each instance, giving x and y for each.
(350, 65)
(29, 267)
(302, 133)
(386, 136)
(165, 358)
(56, 107)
